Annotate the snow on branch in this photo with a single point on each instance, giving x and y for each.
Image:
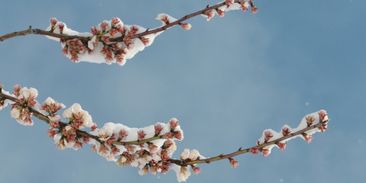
(151, 148)
(113, 41)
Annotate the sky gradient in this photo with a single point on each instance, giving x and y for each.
(226, 80)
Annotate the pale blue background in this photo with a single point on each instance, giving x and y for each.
(226, 80)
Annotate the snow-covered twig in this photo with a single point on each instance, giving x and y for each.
(150, 148)
(114, 42)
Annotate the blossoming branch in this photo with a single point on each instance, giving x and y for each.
(151, 148)
(114, 42)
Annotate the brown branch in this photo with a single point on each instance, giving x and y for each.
(81, 133)
(30, 30)
(179, 162)
(247, 150)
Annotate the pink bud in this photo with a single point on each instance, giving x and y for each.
(323, 127)
(285, 131)
(307, 138)
(54, 124)
(94, 127)
(168, 135)
(122, 134)
(145, 40)
(220, 12)
(51, 133)
(165, 19)
(210, 14)
(281, 145)
(113, 32)
(94, 30)
(229, 2)
(158, 128)
(141, 134)
(254, 150)
(53, 21)
(115, 20)
(104, 25)
(178, 135)
(186, 26)
(173, 123)
(61, 27)
(267, 136)
(133, 30)
(17, 90)
(254, 9)
(164, 155)
(323, 116)
(266, 152)
(196, 170)
(233, 163)
(244, 7)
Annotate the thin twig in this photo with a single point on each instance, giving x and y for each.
(247, 150)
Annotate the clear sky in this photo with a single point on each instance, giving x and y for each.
(226, 80)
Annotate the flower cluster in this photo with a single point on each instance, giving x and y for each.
(183, 172)
(66, 135)
(166, 19)
(308, 121)
(149, 148)
(112, 41)
(51, 106)
(100, 48)
(230, 5)
(26, 99)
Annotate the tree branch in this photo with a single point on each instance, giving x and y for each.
(81, 133)
(30, 30)
(247, 150)
(240, 151)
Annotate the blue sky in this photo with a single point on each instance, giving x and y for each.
(226, 80)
